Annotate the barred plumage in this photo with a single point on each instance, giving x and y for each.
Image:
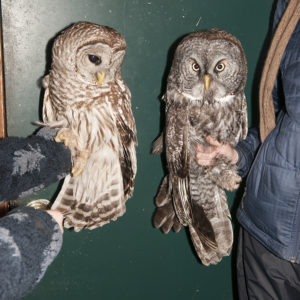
(86, 98)
(205, 96)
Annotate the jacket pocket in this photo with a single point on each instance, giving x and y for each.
(287, 143)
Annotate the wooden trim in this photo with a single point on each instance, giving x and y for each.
(4, 208)
(2, 92)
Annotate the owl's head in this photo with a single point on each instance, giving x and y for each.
(89, 52)
(208, 64)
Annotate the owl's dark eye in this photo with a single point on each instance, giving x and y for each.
(195, 67)
(220, 67)
(95, 59)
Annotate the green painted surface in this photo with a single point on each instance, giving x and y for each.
(127, 259)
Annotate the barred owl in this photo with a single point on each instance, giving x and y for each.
(204, 96)
(87, 100)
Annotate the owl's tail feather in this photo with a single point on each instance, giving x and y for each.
(202, 245)
(203, 237)
(223, 226)
(181, 199)
(203, 227)
(215, 241)
(206, 251)
(164, 215)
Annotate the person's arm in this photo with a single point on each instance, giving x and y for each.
(30, 164)
(247, 150)
(30, 239)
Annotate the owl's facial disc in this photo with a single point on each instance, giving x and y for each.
(94, 63)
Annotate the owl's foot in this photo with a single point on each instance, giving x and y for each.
(79, 164)
(65, 136)
(226, 179)
(231, 181)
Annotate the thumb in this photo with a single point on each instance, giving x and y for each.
(212, 141)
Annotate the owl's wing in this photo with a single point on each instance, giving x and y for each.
(96, 196)
(181, 199)
(165, 218)
(48, 113)
(176, 139)
(128, 169)
(177, 154)
(164, 215)
(244, 117)
(128, 136)
(158, 145)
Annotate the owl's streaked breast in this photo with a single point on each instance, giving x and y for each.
(214, 120)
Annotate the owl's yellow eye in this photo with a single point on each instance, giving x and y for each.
(196, 67)
(220, 67)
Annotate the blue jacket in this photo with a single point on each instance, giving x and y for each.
(270, 208)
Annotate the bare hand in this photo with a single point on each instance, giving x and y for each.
(58, 217)
(206, 155)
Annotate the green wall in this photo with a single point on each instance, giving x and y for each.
(127, 259)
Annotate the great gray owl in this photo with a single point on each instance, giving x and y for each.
(204, 96)
(87, 100)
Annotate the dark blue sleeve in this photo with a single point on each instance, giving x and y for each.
(247, 150)
(30, 164)
(30, 240)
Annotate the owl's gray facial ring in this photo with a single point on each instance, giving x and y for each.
(195, 67)
(220, 66)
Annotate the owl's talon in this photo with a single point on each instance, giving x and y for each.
(65, 136)
(233, 182)
(76, 171)
(79, 163)
(66, 141)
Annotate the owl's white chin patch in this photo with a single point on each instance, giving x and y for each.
(191, 97)
(225, 99)
(221, 100)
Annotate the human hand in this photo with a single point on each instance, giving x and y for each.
(206, 155)
(58, 217)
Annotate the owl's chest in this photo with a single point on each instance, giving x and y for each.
(221, 124)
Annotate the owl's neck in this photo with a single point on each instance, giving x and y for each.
(209, 100)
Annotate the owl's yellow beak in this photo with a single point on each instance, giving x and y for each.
(206, 82)
(100, 76)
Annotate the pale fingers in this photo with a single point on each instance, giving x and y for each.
(205, 158)
(58, 217)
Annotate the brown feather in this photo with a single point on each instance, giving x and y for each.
(95, 121)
